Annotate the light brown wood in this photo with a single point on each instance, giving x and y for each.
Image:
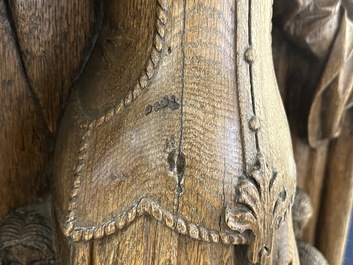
(335, 215)
(313, 48)
(171, 150)
(174, 147)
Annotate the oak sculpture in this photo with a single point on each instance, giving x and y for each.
(312, 47)
(174, 146)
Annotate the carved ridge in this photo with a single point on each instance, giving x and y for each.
(31, 229)
(153, 209)
(261, 202)
(261, 206)
(149, 70)
(88, 126)
(262, 178)
(145, 205)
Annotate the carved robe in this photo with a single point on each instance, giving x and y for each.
(314, 62)
(169, 150)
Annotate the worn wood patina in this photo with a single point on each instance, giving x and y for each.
(173, 145)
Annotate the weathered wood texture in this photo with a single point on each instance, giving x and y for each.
(302, 212)
(169, 144)
(41, 49)
(310, 255)
(313, 57)
(337, 202)
(183, 89)
(26, 237)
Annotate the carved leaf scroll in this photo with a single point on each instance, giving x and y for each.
(261, 205)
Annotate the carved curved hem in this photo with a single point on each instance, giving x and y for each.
(153, 209)
(144, 205)
(263, 183)
(143, 79)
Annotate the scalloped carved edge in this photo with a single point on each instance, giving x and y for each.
(153, 209)
(145, 205)
(144, 78)
(239, 236)
(142, 83)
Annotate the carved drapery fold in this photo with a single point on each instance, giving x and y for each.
(139, 153)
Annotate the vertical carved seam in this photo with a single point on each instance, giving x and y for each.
(261, 201)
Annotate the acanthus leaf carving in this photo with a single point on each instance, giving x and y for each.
(260, 207)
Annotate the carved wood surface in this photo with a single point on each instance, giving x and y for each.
(165, 137)
(176, 89)
(41, 46)
(19, 114)
(27, 238)
(313, 52)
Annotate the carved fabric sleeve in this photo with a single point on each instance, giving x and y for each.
(334, 91)
(313, 67)
(324, 29)
(309, 24)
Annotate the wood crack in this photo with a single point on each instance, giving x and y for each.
(180, 154)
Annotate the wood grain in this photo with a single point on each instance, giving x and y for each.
(166, 121)
(26, 236)
(334, 219)
(24, 144)
(183, 89)
(42, 48)
(312, 47)
(54, 40)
